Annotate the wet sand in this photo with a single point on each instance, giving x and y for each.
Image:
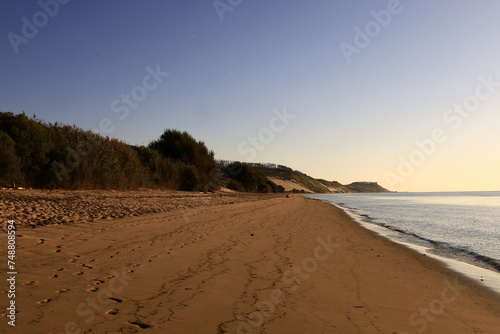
(278, 265)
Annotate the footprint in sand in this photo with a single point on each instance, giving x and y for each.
(130, 271)
(112, 312)
(140, 324)
(116, 300)
(61, 269)
(93, 289)
(97, 281)
(78, 273)
(85, 265)
(29, 283)
(63, 290)
(44, 301)
(53, 276)
(41, 241)
(6, 314)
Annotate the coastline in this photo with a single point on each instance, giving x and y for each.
(487, 277)
(485, 273)
(283, 265)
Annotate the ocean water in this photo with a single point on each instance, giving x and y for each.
(463, 226)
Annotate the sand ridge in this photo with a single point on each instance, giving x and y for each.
(42, 207)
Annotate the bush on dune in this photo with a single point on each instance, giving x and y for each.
(9, 162)
(243, 177)
(36, 154)
(198, 161)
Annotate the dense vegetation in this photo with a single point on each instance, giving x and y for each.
(286, 173)
(243, 177)
(37, 154)
(199, 162)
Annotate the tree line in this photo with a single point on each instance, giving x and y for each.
(37, 154)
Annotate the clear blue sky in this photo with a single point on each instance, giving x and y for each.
(354, 121)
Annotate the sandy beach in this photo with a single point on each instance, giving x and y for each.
(236, 264)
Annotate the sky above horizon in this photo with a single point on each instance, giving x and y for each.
(403, 93)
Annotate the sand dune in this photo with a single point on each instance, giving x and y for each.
(281, 265)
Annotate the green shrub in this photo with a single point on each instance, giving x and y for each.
(188, 178)
(182, 147)
(235, 185)
(9, 162)
(243, 177)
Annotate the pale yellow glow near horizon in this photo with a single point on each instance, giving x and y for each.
(465, 163)
(462, 175)
(468, 160)
(465, 158)
(445, 178)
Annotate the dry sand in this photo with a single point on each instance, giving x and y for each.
(281, 265)
(289, 185)
(32, 208)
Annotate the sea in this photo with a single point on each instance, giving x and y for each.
(461, 229)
